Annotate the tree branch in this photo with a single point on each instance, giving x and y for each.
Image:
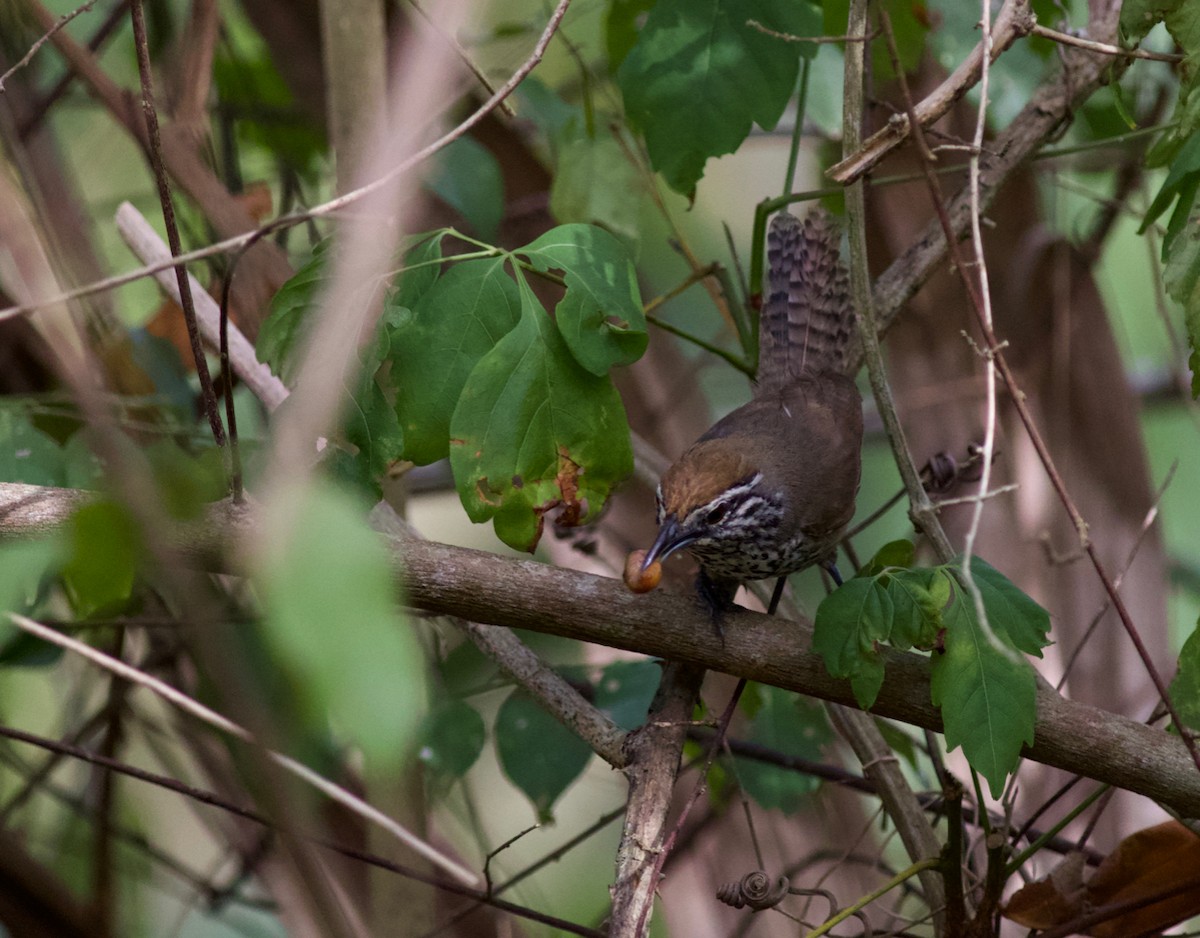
(496, 590)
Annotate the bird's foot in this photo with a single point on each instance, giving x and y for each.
(717, 596)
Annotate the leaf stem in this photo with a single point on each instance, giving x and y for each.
(863, 902)
(729, 357)
(1018, 861)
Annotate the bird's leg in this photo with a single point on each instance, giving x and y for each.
(777, 595)
(717, 596)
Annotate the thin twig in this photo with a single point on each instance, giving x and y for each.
(214, 719)
(208, 394)
(326, 208)
(463, 56)
(994, 353)
(818, 40)
(33, 50)
(214, 800)
(1067, 39)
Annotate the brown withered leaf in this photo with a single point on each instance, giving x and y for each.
(1154, 861)
(1053, 900)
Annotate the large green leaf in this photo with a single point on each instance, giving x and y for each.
(105, 550)
(26, 453)
(918, 597)
(468, 179)
(454, 323)
(625, 691)
(985, 689)
(333, 624)
(593, 183)
(699, 76)
(849, 623)
(539, 754)
(1182, 19)
(533, 430)
(25, 567)
(794, 726)
(281, 337)
(1011, 613)
(600, 315)
(452, 737)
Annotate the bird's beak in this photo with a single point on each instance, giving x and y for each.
(670, 539)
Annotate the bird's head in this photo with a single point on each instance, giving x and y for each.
(712, 497)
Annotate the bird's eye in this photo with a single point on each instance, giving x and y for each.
(716, 514)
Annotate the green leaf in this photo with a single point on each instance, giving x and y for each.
(468, 179)
(249, 84)
(1185, 686)
(987, 694)
(1015, 617)
(893, 554)
(533, 430)
(421, 271)
(105, 550)
(793, 726)
(370, 419)
(281, 337)
(24, 566)
(898, 741)
(1180, 184)
(621, 29)
(918, 597)
(1182, 19)
(600, 316)
(27, 454)
(699, 76)
(452, 737)
(849, 623)
(187, 481)
(540, 755)
(593, 183)
(1181, 280)
(467, 670)
(455, 323)
(333, 625)
(625, 691)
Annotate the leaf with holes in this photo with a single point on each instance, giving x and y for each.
(600, 315)
(533, 431)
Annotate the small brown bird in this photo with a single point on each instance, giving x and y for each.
(769, 489)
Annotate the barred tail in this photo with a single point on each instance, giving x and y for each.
(807, 321)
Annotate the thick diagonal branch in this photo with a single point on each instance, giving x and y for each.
(525, 594)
